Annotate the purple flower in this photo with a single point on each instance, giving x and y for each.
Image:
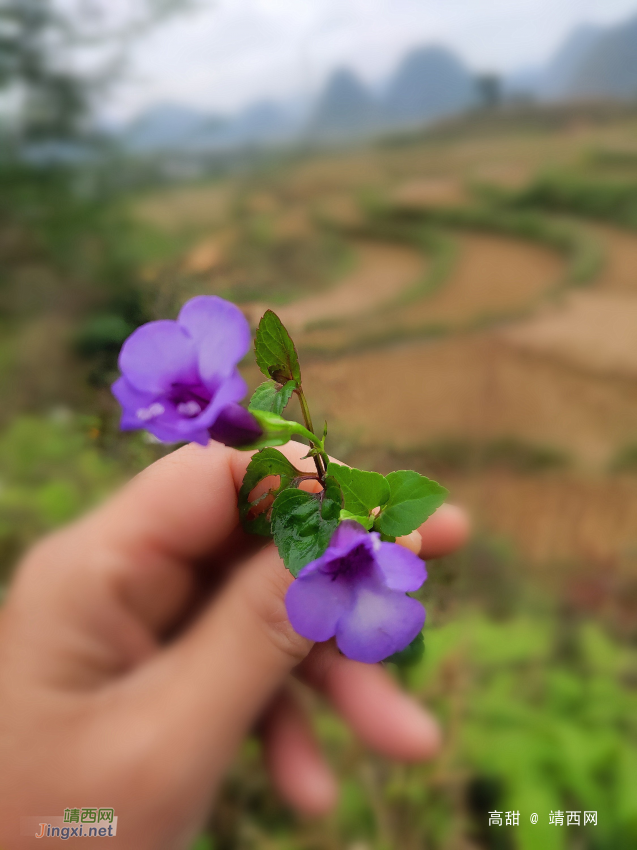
(180, 379)
(357, 590)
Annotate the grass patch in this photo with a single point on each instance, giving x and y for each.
(625, 460)
(463, 455)
(612, 200)
(438, 246)
(613, 158)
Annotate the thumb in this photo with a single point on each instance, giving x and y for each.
(216, 679)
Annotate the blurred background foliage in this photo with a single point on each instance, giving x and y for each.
(464, 298)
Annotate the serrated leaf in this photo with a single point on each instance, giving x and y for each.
(272, 397)
(411, 654)
(303, 523)
(413, 498)
(366, 521)
(362, 491)
(264, 463)
(275, 351)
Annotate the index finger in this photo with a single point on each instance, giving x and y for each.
(185, 504)
(125, 570)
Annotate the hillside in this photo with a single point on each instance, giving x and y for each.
(608, 67)
(346, 108)
(429, 83)
(556, 80)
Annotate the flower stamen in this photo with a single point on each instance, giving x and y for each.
(189, 408)
(151, 412)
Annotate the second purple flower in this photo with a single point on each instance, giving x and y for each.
(356, 591)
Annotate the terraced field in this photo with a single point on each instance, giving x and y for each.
(475, 326)
(477, 387)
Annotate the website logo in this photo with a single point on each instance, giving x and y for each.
(98, 822)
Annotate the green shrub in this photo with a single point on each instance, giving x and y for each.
(103, 333)
(554, 731)
(608, 200)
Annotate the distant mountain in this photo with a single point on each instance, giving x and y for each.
(263, 121)
(609, 66)
(556, 80)
(593, 62)
(345, 108)
(428, 84)
(166, 126)
(172, 127)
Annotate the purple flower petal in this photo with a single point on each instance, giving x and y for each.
(315, 603)
(170, 432)
(235, 426)
(402, 569)
(132, 401)
(220, 332)
(348, 534)
(381, 622)
(157, 355)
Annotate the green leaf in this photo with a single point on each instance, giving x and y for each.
(411, 654)
(412, 499)
(264, 463)
(272, 397)
(276, 431)
(303, 523)
(366, 521)
(362, 491)
(275, 351)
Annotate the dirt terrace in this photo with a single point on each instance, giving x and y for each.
(474, 386)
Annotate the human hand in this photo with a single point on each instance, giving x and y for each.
(140, 645)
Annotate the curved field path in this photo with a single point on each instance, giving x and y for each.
(383, 271)
(594, 330)
(491, 277)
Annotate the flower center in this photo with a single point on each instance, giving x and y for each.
(190, 400)
(150, 412)
(354, 565)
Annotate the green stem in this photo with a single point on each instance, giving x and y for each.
(307, 418)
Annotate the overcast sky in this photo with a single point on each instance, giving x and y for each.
(231, 52)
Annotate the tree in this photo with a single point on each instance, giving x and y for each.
(54, 60)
